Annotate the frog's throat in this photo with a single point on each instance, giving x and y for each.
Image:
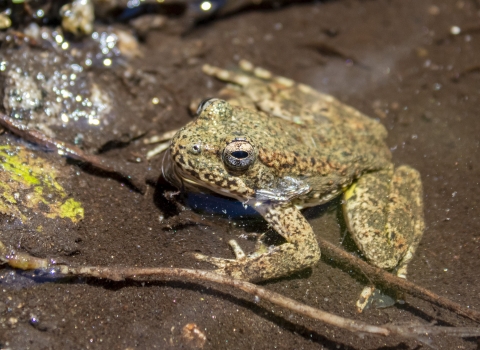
(284, 190)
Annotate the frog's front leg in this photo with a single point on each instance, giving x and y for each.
(384, 214)
(300, 251)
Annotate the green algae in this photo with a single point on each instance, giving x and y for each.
(29, 186)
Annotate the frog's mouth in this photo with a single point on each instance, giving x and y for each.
(284, 190)
(186, 182)
(170, 171)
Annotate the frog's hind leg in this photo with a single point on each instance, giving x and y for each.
(252, 77)
(228, 76)
(384, 214)
(300, 251)
(266, 75)
(279, 96)
(162, 141)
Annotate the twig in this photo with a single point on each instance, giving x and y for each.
(418, 332)
(73, 152)
(380, 276)
(472, 69)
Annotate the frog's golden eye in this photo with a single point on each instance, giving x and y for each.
(205, 103)
(239, 155)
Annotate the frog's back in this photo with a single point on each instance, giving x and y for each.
(336, 125)
(327, 123)
(331, 137)
(299, 133)
(316, 159)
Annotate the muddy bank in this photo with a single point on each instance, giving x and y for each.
(397, 61)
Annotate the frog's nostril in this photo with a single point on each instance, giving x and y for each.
(195, 148)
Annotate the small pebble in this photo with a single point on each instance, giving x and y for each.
(455, 30)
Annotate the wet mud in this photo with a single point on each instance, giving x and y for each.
(414, 65)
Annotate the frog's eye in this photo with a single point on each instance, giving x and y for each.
(239, 155)
(204, 104)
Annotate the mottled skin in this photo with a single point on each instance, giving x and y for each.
(302, 148)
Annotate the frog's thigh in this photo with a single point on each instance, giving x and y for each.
(300, 251)
(384, 213)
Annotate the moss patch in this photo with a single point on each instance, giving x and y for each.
(28, 186)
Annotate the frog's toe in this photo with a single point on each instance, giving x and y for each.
(225, 75)
(365, 298)
(258, 72)
(221, 263)
(237, 250)
(371, 297)
(265, 74)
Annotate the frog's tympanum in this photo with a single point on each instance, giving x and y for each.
(281, 146)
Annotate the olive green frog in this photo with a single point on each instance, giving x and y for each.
(281, 146)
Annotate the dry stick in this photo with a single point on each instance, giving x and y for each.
(382, 277)
(413, 331)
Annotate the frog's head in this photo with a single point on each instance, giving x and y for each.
(214, 152)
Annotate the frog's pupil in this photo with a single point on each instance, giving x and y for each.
(240, 154)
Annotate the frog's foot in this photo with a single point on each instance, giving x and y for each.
(220, 262)
(233, 267)
(162, 141)
(300, 251)
(284, 98)
(250, 75)
(276, 95)
(384, 214)
(371, 296)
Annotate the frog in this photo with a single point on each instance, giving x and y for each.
(281, 146)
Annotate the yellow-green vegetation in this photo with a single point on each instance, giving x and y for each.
(28, 186)
(348, 193)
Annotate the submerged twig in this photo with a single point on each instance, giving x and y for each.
(472, 69)
(418, 332)
(380, 276)
(71, 151)
(329, 50)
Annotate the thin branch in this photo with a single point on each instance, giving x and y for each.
(380, 276)
(124, 171)
(418, 332)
